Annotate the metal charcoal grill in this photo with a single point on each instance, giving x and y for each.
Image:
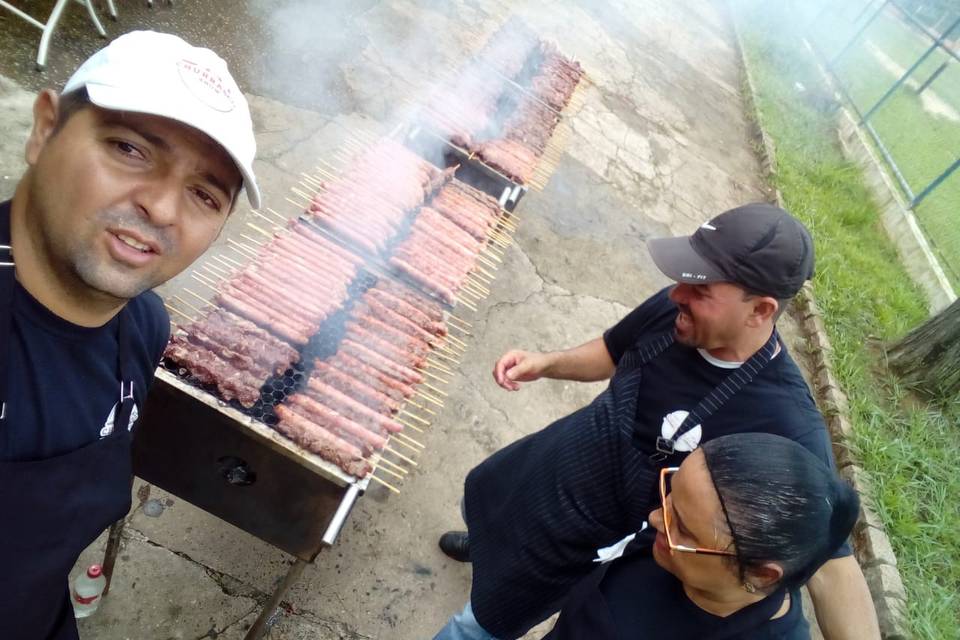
(226, 458)
(236, 468)
(228, 461)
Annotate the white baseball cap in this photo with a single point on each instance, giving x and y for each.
(162, 75)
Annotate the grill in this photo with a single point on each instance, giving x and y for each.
(311, 352)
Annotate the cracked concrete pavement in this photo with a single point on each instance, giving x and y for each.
(660, 144)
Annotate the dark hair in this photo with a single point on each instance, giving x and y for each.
(71, 103)
(781, 503)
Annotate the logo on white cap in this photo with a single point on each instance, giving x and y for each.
(207, 85)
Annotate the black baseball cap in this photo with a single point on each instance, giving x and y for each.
(760, 247)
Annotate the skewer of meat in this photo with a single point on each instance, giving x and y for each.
(416, 300)
(398, 390)
(234, 358)
(404, 324)
(337, 423)
(255, 295)
(208, 368)
(407, 310)
(247, 338)
(355, 386)
(442, 290)
(316, 439)
(267, 320)
(427, 281)
(378, 361)
(403, 360)
(405, 341)
(358, 411)
(346, 230)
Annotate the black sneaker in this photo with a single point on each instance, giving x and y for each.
(456, 544)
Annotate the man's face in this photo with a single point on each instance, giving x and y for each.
(696, 520)
(711, 316)
(123, 202)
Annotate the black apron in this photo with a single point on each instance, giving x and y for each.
(52, 509)
(538, 509)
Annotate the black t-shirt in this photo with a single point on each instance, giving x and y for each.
(777, 401)
(638, 599)
(64, 380)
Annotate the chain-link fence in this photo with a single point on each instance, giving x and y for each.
(898, 65)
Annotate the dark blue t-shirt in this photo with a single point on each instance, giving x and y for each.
(64, 380)
(777, 401)
(636, 598)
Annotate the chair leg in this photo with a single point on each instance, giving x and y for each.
(94, 18)
(112, 8)
(48, 33)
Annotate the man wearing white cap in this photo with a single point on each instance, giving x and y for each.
(132, 172)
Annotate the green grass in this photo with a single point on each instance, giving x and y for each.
(909, 449)
(922, 143)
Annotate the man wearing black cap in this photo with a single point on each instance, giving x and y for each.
(696, 361)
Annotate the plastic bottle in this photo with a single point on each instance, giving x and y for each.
(87, 589)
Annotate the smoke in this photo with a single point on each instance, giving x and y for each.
(393, 62)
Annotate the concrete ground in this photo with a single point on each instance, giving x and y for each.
(660, 145)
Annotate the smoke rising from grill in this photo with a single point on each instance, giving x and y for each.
(342, 316)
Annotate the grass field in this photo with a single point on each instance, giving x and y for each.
(921, 132)
(909, 449)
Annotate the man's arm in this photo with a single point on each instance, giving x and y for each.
(587, 363)
(842, 601)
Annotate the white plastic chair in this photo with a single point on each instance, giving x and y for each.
(113, 9)
(51, 23)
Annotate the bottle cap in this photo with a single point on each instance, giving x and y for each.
(94, 571)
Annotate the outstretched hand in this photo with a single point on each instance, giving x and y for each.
(518, 366)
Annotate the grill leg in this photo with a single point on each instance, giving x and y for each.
(110, 554)
(260, 626)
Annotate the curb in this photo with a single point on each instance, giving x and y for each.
(871, 544)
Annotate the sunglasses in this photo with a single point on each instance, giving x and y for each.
(665, 475)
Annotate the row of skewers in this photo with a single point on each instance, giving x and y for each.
(505, 105)
(455, 235)
(382, 251)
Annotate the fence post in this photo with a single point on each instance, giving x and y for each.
(926, 54)
(857, 35)
(863, 12)
(933, 76)
(936, 183)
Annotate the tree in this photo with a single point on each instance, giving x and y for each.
(928, 358)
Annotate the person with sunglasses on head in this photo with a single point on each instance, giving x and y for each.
(742, 524)
(132, 172)
(696, 361)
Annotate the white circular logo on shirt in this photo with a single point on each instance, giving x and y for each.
(108, 425)
(671, 423)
